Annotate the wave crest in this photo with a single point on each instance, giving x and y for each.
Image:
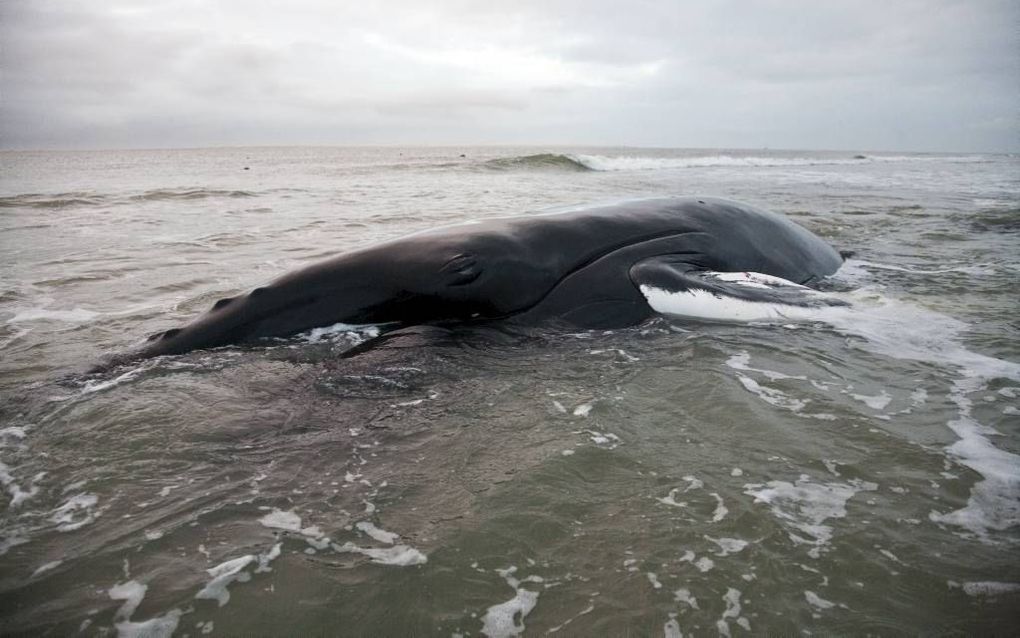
(86, 199)
(539, 161)
(609, 163)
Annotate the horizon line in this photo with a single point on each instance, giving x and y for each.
(393, 145)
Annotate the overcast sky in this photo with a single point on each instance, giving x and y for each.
(929, 75)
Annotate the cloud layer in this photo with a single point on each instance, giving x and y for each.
(863, 74)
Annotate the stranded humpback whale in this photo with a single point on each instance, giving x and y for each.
(603, 267)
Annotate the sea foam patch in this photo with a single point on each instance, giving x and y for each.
(507, 618)
(888, 327)
(804, 506)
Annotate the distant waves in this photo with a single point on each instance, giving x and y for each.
(585, 162)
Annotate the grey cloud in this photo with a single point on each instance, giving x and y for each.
(923, 75)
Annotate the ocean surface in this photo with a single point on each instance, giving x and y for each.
(852, 471)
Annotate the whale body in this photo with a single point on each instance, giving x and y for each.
(601, 267)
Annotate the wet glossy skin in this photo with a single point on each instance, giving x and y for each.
(575, 268)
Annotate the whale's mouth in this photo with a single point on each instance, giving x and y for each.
(742, 297)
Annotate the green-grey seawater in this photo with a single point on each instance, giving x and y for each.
(856, 471)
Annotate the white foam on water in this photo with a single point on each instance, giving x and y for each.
(693, 483)
(890, 556)
(80, 504)
(356, 332)
(805, 505)
(12, 431)
(279, 519)
(623, 353)
(604, 438)
(670, 499)
(223, 575)
(377, 534)
(976, 269)
(583, 410)
(45, 568)
(888, 327)
(99, 386)
(507, 618)
(876, 402)
(75, 315)
(18, 494)
(131, 592)
(704, 564)
(583, 612)
(12, 537)
(989, 588)
(720, 510)
(742, 361)
(771, 395)
(727, 546)
(648, 163)
(398, 555)
(994, 502)
(671, 629)
(732, 600)
(683, 595)
(817, 601)
(159, 627)
(266, 558)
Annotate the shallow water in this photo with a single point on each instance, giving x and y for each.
(849, 471)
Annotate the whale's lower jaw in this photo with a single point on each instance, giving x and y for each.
(796, 302)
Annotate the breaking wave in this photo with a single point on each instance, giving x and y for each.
(540, 161)
(85, 199)
(57, 200)
(591, 162)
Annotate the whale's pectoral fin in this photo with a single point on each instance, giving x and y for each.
(676, 287)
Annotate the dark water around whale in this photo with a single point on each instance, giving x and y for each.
(852, 472)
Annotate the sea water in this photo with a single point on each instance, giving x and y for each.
(847, 470)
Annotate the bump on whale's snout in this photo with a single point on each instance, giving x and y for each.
(167, 334)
